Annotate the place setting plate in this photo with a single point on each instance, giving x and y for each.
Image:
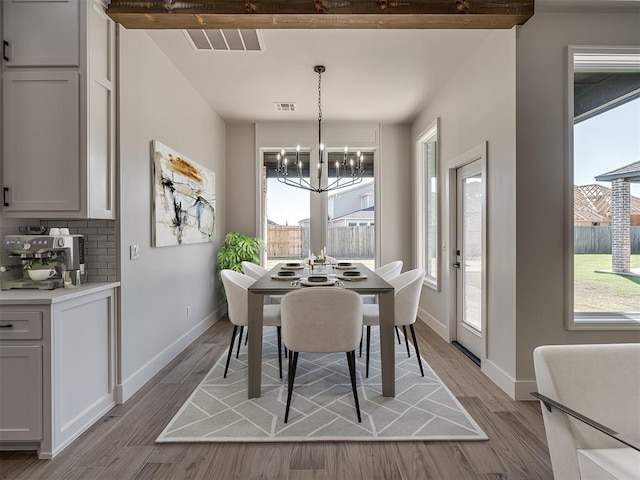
(292, 266)
(286, 275)
(318, 281)
(351, 275)
(344, 266)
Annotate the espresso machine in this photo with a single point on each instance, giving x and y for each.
(62, 253)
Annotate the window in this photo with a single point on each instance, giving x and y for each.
(604, 132)
(286, 213)
(349, 234)
(427, 220)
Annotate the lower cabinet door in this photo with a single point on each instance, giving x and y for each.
(20, 393)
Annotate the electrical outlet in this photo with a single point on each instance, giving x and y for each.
(134, 252)
(188, 311)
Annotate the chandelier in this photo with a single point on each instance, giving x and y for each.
(347, 172)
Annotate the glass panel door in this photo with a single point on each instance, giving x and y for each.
(470, 203)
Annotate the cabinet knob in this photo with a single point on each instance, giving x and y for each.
(7, 325)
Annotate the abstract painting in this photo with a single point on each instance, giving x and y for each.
(184, 199)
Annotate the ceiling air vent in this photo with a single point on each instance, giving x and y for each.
(228, 40)
(285, 106)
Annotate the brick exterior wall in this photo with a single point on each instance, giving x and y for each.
(100, 246)
(620, 225)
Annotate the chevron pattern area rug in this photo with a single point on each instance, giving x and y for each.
(322, 407)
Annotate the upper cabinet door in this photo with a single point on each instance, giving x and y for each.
(42, 170)
(39, 33)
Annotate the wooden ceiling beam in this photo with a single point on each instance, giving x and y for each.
(314, 14)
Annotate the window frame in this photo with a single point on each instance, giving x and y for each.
(431, 134)
(585, 320)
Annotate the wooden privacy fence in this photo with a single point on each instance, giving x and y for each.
(587, 239)
(342, 242)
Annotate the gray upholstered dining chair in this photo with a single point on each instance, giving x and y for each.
(407, 288)
(236, 287)
(321, 320)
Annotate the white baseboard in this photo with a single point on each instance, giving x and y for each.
(516, 389)
(498, 376)
(132, 384)
(523, 388)
(434, 324)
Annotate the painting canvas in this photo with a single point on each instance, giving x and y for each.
(184, 199)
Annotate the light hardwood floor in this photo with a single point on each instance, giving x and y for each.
(121, 445)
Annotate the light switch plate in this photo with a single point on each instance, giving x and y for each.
(134, 252)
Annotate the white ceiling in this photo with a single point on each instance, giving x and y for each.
(372, 75)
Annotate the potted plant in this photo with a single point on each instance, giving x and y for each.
(236, 249)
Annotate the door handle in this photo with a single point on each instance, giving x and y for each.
(456, 264)
(5, 44)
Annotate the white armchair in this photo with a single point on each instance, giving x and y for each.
(601, 382)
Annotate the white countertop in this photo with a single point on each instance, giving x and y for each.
(27, 296)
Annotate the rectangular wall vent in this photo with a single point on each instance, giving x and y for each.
(229, 40)
(285, 106)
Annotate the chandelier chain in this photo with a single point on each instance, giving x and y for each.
(319, 96)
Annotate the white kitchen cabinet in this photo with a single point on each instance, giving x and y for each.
(59, 126)
(39, 33)
(57, 365)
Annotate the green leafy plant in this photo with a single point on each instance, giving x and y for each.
(238, 248)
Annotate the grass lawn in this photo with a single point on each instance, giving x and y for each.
(604, 292)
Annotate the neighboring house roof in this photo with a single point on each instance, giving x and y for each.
(364, 214)
(630, 172)
(592, 203)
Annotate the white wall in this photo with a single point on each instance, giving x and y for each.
(241, 184)
(541, 125)
(157, 103)
(394, 195)
(477, 105)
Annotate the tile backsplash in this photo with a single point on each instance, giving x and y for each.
(100, 246)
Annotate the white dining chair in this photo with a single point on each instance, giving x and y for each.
(386, 272)
(256, 272)
(407, 288)
(321, 320)
(236, 288)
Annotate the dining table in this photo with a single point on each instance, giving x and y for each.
(372, 284)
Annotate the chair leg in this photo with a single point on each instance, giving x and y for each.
(361, 335)
(398, 335)
(233, 338)
(368, 348)
(293, 362)
(285, 351)
(240, 340)
(351, 361)
(246, 339)
(279, 330)
(415, 344)
(406, 340)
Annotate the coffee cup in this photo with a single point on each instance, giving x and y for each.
(38, 275)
